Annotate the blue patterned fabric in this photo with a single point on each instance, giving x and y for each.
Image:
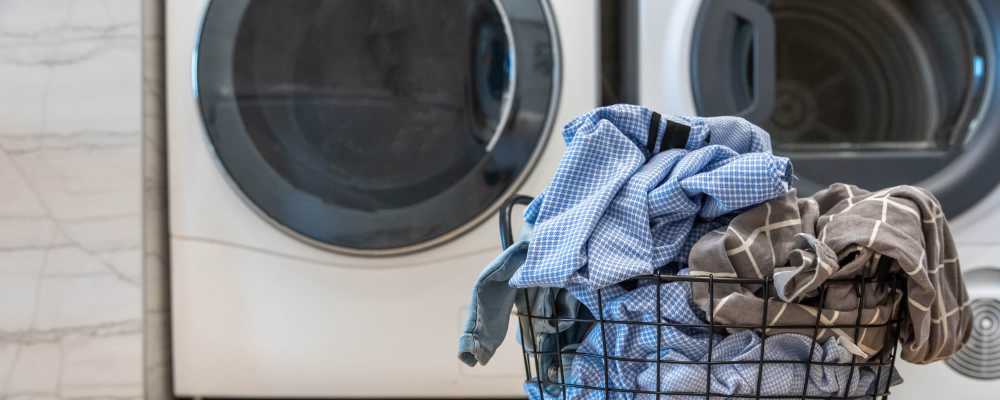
(616, 209)
(691, 344)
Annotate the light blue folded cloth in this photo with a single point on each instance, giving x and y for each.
(634, 191)
(691, 344)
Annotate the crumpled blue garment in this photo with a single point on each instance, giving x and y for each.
(691, 344)
(617, 207)
(555, 311)
(491, 304)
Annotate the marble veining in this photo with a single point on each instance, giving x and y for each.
(70, 218)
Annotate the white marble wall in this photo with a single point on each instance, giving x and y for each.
(70, 184)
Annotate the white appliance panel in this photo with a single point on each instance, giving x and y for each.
(258, 313)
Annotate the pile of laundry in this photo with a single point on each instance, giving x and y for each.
(637, 193)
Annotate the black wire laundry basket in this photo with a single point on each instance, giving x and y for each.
(550, 378)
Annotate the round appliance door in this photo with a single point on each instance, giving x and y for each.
(876, 93)
(376, 126)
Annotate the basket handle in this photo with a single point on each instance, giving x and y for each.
(506, 232)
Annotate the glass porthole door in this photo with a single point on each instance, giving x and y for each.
(376, 126)
(877, 93)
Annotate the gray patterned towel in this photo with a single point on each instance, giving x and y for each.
(842, 232)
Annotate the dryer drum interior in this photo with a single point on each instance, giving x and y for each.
(376, 126)
(876, 93)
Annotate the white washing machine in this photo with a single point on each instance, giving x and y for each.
(335, 166)
(877, 93)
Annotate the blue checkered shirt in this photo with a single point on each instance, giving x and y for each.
(623, 203)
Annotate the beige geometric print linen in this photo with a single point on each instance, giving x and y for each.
(842, 232)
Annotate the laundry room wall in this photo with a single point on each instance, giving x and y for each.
(71, 262)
